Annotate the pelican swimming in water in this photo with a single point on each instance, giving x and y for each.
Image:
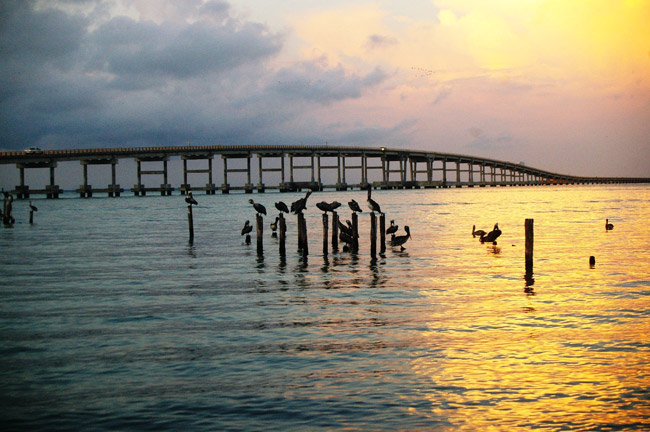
(190, 199)
(301, 204)
(354, 206)
(259, 208)
(492, 236)
(400, 240)
(247, 228)
(475, 232)
(608, 226)
(392, 229)
(282, 207)
(372, 204)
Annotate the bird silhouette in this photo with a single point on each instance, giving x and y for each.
(247, 228)
(354, 206)
(372, 204)
(400, 240)
(301, 204)
(259, 208)
(32, 207)
(608, 226)
(475, 232)
(281, 206)
(492, 236)
(392, 229)
(190, 199)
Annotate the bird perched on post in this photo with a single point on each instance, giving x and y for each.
(190, 199)
(32, 207)
(301, 204)
(259, 208)
(354, 206)
(282, 207)
(274, 227)
(476, 232)
(372, 204)
(247, 228)
(400, 240)
(492, 236)
(328, 207)
(608, 226)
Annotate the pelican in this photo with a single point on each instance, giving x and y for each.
(374, 207)
(492, 236)
(392, 229)
(354, 206)
(259, 208)
(346, 238)
(479, 233)
(274, 225)
(334, 205)
(190, 199)
(323, 206)
(301, 204)
(281, 206)
(608, 226)
(400, 240)
(32, 207)
(247, 228)
(345, 229)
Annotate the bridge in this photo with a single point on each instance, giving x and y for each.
(383, 168)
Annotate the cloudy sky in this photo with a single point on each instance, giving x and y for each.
(560, 85)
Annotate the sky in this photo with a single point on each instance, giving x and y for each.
(560, 85)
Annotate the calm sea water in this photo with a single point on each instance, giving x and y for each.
(111, 320)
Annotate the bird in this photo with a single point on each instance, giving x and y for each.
(323, 206)
(274, 225)
(282, 207)
(347, 239)
(190, 199)
(334, 205)
(259, 208)
(608, 226)
(354, 206)
(32, 207)
(301, 204)
(475, 232)
(392, 229)
(492, 236)
(346, 229)
(372, 204)
(247, 228)
(400, 240)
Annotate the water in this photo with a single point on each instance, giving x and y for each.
(110, 320)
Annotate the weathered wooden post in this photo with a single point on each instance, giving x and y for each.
(529, 245)
(335, 232)
(325, 233)
(302, 234)
(190, 222)
(31, 217)
(373, 235)
(355, 232)
(283, 234)
(382, 233)
(260, 234)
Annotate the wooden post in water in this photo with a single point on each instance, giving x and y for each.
(260, 234)
(31, 217)
(530, 236)
(190, 222)
(335, 232)
(302, 234)
(382, 233)
(355, 232)
(325, 233)
(373, 235)
(283, 234)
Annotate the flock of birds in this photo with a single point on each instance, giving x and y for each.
(346, 230)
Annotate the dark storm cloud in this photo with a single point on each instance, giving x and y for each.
(71, 81)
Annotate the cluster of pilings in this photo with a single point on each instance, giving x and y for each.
(307, 169)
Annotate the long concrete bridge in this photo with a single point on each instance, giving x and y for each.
(382, 167)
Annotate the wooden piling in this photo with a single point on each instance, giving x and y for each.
(260, 234)
(530, 236)
(335, 232)
(355, 233)
(283, 234)
(325, 232)
(31, 216)
(190, 222)
(302, 234)
(373, 235)
(382, 233)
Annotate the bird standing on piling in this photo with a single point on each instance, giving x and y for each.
(372, 204)
(354, 206)
(247, 228)
(259, 208)
(608, 226)
(400, 240)
(301, 204)
(476, 232)
(392, 229)
(190, 199)
(274, 227)
(282, 207)
(32, 207)
(492, 236)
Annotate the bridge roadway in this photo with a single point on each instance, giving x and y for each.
(399, 168)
